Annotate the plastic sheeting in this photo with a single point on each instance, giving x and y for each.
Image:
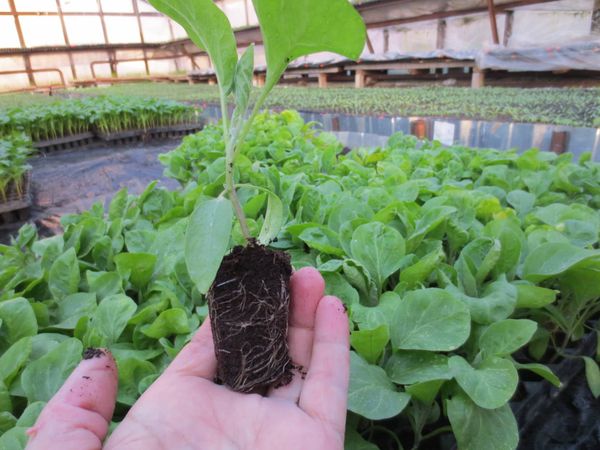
(574, 55)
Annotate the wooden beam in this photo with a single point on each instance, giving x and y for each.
(322, 80)
(139, 22)
(478, 78)
(441, 34)
(493, 22)
(26, 60)
(66, 36)
(83, 13)
(508, 27)
(370, 44)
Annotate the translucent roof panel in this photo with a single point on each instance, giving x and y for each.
(9, 37)
(122, 30)
(84, 30)
(79, 5)
(36, 6)
(4, 6)
(109, 6)
(52, 35)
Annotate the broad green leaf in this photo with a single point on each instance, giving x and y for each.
(18, 319)
(273, 220)
(379, 248)
(242, 85)
(592, 374)
(111, 317)
(13, 359)
(552, 259)
(206, 240)
(42, 378)
(371, 393)
(354, 441)
(410, 367)
(74, 307)
(208, 27)
(512, 239)
(498, 302)
(370, 343)
(490, 385)
(322, 239)
(302, 27)
(476, 428)
(14, 439)
(102, 284)
(336, 284)
(63, 278)
(418, 272)
(131, 372)
(522, 201)
(137, 266)
(506, 337)
(430, 319)
(542, 371)
(425, 391)
(169, 322)
(30, 415)
(532, 297)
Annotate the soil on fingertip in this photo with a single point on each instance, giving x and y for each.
(249, 308)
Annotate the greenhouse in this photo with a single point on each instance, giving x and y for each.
(300, 224)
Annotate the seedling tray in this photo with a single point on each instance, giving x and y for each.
(66, 142)
(129, 136)
(16, 207)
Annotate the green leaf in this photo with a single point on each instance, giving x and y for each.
(498, 302)
(322, 239)
(476, 428)
(208, 27)
(139, 267)
(63, 278)
(30, 415)
(169, 322)
(242, 85)
(418, 272)
(542, 371)
(370, 343)
(302, 27)
(426, 391)
(273, 220)
(354, 441)
(74, 307)
(430, 319)
(371, 393)
(103, 284)
(409, 367)
(13, 359)
(42, 378)
(592, 374)
(131, 372)
(336, 284)
(506, 337)
(18, 319)
(379, 248)
(490, 385)
(206, 240)
(532, 297)
(110, 319)
(552, 259)
(14, 439)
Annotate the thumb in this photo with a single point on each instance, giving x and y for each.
(77, 417)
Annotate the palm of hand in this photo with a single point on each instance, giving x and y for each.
(184, 409)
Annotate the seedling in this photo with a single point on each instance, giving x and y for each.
(248, 302)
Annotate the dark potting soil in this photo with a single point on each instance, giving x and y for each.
(249, 308)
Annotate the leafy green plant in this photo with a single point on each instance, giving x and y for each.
(300, 28)
(14, 152)
(470, 225)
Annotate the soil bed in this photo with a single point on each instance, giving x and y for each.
(248, 305)
(71, 181)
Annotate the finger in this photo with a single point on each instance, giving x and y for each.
(198, 357)
(325, 389)
(307, 287)
(77, 417)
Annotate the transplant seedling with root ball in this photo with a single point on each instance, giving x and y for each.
(248, 289)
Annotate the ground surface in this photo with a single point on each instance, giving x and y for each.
(71, 181)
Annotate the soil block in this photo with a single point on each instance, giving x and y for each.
(249, 307)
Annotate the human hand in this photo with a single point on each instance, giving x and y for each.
(185, 409)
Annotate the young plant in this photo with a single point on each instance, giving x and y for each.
(249, 300)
